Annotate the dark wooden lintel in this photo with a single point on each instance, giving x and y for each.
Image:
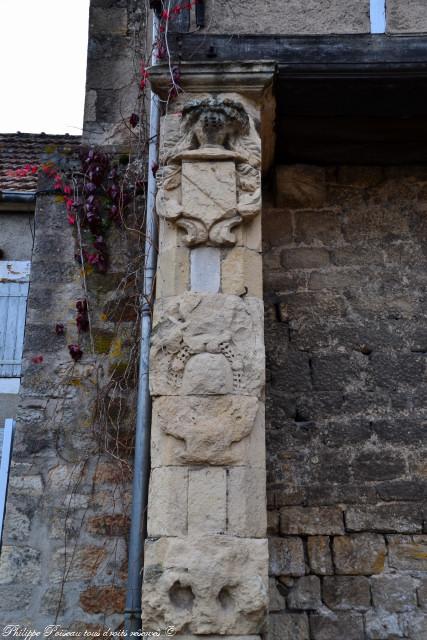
(342, 55)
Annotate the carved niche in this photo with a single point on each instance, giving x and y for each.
(211, 181)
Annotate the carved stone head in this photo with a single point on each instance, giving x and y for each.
(213, 122)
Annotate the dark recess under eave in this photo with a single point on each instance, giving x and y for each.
(341, 99)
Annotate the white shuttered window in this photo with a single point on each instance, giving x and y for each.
(14, 284)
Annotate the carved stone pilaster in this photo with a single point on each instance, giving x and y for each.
(206, 563)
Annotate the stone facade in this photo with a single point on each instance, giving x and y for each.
(64, 552)
(344, 262)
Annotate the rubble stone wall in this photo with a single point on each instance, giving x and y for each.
(345, 289)
(64, 554)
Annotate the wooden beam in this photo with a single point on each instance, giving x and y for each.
(343, 55)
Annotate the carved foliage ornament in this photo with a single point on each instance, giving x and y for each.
(211, 181)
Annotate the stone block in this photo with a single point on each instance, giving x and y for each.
(379, 465)
(394, 592)
(289, 17)
(86, 562)
(304, 258)
(246, 502)
(273, 519)
(318, 226)
(17, 524)
(311, 521)
(205, 269)
(173, 272)
(241, 272)
(407, 552)
(359, 554)
(220, 430)
(249, 235)
(288, 626)
(333, 371)
(348, 625)
(208, 585)
(319, 555)
(414, 625)
(90, 106)
(276, 599)
(300, 186)
(207, 345)
(14, 598)
(381, 625)
(386, 518)
(422, 592)
(105, 600)
(406, 17)
(207, 501)
(346, 592)
(305, 593)
(112, 21)
(277, 227)
(286, 557)
(167, 501)
(19, 564)
(26, 484)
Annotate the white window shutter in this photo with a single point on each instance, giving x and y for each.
(14, 284)
(6, 442)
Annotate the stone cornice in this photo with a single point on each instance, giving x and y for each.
(247, 78)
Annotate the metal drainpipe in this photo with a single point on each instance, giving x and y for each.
(143, 417)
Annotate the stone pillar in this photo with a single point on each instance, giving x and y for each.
(206, 560)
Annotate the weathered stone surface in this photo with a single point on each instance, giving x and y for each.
(276, 599)
(386, 518)
(214, 584)
(406, 17)
(342, 592)
(207, 501)
(381, 625)
(108, 21)
(19, 564)
(86, 561)
(286, 557)
(241, 272)
(167, 502)
(311, 521)
(362, 554)
(394, 592)
(246, 502)
(173, 271)
(105, 600)
(300, 186)
(337, 626)
(304, 258)
(288, 626)
(305, 594)
(221, 430)
(422, 592)
(414, 624)
(14, 598)
(290, 17)
(408, 552)
(319, 555)
(207, 345)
